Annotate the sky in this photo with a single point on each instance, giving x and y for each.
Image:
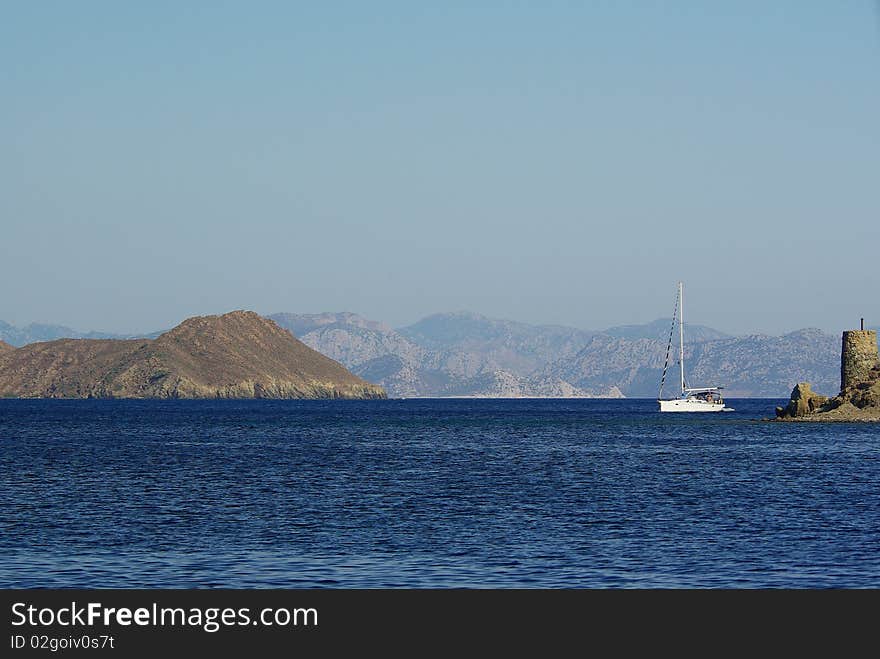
(547, 162)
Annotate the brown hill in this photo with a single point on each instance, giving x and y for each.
(5, 347)
(236, 355)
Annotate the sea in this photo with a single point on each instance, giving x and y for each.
(432, 493)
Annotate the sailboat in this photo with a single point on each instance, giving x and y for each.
(691, 399)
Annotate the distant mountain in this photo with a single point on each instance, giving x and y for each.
(765, 365)
(300, 324)
(347, 337)
(752, 366)
(459, 354)
(515, 347)
(612, 361)
(465, 354)
(660, 328)
(19, 336)
(236, 355)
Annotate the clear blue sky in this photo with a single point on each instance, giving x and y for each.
(549, 162)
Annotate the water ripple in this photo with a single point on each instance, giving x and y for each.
(432, 493)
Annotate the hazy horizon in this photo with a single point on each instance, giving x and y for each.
(549, 164)
(146, 331)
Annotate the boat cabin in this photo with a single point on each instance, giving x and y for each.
(708, 394)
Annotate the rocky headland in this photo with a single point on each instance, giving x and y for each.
(235, 355)
(859, 397)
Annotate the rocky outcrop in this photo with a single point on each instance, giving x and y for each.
(803, 401)
(859, 401)
(859, 397)
(236, 355)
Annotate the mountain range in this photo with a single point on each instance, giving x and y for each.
(457, 354)
(466, 354)
(34, 332)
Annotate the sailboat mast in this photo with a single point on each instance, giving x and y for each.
(681, 333)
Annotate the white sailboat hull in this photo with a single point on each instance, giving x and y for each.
(690, 405)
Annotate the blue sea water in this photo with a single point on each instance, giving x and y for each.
(432, 493)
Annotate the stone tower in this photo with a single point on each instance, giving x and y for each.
(857, 357)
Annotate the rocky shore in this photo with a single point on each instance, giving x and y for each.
(859, 397)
